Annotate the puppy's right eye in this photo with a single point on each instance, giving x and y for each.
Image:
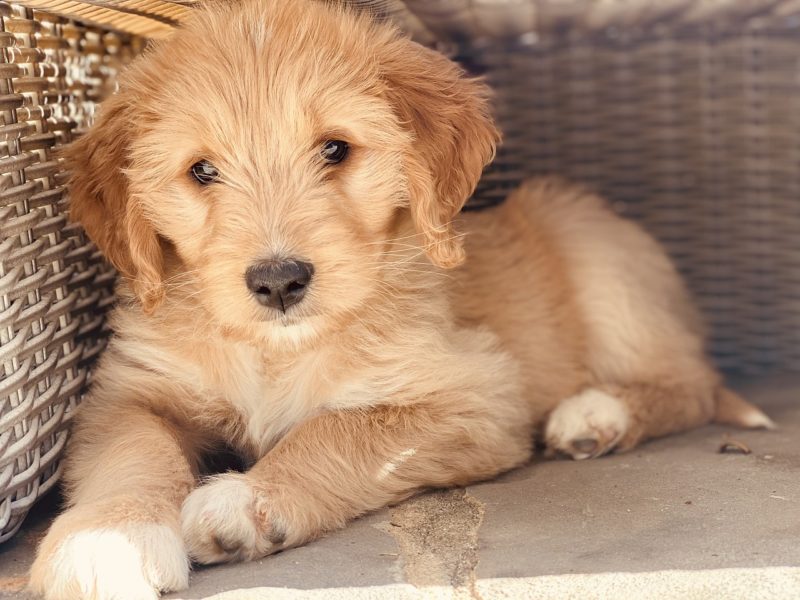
(204, 172)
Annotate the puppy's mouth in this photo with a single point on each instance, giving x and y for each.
(291, 319)
(291, 330)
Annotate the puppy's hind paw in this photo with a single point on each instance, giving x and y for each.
(587, 425)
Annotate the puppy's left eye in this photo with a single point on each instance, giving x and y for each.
(334, 151)
(204, 172)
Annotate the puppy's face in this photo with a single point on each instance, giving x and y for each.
(276, 150)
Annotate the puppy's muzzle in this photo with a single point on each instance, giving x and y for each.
(279, 284)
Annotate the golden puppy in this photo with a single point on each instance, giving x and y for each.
(277, 185)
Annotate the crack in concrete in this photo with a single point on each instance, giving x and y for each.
(437, 534)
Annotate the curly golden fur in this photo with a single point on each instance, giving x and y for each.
(403, 367)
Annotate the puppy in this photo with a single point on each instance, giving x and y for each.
(279, 186)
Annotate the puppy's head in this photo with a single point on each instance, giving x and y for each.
(274, 150)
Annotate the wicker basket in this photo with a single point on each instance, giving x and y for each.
(686, 113)
(54, 286)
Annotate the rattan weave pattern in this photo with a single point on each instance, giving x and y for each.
(54, 286)
(497, 19)
(156, 18)
(692, 130)
(452, 19)
(148, 18)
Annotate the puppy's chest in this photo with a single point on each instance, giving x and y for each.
(267, 403)
(272, 398)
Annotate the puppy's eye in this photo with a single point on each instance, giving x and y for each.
(334, 151)
(204, 172)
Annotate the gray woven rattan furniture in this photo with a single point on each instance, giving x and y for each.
(54, 286)
(685, 113)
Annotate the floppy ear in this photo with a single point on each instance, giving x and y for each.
(454, 139)
(100, 200)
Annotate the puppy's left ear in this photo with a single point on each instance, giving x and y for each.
(454, 136)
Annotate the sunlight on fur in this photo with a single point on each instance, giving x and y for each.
(392, 465)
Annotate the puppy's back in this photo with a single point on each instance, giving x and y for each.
(634, 304)
(577, 291)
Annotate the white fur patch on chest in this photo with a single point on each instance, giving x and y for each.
(270, 403)
(270, 398)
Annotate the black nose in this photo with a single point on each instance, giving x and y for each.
(279, 283)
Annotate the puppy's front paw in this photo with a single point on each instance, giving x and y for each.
(225, 520)
(587, 425)
(130, 561)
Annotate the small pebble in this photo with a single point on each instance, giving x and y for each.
(731, 446)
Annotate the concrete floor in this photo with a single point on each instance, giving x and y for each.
(672, 519)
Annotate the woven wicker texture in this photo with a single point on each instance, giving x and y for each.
(54, 286)
(148, 18)
(157, 18)
(456, 19)
(692, 130)
(470, 19)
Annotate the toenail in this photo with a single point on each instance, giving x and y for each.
(585, 446)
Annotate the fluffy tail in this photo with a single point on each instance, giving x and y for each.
(732, 409)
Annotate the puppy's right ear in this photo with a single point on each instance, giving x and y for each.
(101, 201)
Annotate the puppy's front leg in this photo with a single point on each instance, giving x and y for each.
(341, 465)
(127, 474)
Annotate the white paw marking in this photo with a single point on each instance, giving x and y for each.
(132, 562)
(218, 522)
(587, 425)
